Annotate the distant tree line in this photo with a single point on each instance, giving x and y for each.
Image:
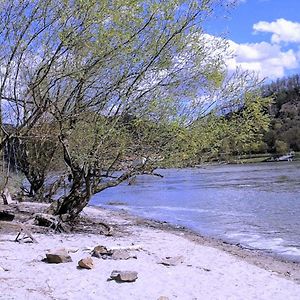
(284, 132)
(272, 126)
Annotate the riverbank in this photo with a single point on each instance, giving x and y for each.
(259, 158)
(207, 269)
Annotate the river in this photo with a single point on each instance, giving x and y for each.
(255, 205)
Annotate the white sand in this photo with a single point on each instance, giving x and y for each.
(229, 277)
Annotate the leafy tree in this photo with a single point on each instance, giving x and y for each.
(121, 82)
(285, 112)
(237, 132)
(281, 147)
(35, 156)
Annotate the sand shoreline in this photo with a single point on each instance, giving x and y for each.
(210, 268)
(268, 261)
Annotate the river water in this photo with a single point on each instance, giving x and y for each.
(255, 205)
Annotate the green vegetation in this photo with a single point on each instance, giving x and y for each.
(102, 91)
(284, 133)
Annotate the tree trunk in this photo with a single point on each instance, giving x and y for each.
(36, 184)
(73, 204)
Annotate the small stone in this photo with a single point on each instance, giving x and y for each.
(121, 255)
(124, 276)
(163, 298)
(58, 256)
(86, 263)
(101, 252)
(172, 261)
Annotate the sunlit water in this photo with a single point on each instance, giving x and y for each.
(256, 205)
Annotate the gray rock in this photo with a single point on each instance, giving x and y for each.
(58, 256)
(121, 255)
(124, 276)
(172, 261)
(101, 252)
(86, 263)
(163, 298)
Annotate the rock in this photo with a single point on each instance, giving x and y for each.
(172, 261)
(101, 252)
(163, 298)
(86, 263)
(123, 276)
(58, 256)
(121, 255)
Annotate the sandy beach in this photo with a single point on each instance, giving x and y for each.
(207, 269)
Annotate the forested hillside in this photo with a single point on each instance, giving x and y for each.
(284, 133)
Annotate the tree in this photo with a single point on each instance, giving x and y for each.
(120, 81)
(223, 133)
(281, 147)
(35, 155)
(285, 112)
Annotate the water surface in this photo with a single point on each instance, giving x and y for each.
(256, 205)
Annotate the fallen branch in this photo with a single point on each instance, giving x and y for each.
(6, 215)
(26, 235)
(53, 222)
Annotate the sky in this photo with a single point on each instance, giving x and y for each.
(264, 36)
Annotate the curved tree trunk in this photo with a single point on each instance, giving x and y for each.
(72, 204)
(82, 190)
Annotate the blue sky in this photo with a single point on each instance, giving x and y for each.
(264, 35)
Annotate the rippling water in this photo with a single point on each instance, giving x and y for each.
(256, 205)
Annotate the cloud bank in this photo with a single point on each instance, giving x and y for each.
(269, 59)
(282, 30)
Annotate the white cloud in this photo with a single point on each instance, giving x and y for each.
(282, 30)
(268, 60)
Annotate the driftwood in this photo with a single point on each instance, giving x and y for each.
(117, 248)
(6, 215)
(108, 228)
(54, 222)
(24, 235)
(90, 227)
(23, 232)
(6, 197)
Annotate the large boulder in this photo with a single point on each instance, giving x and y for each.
(124, 276)
(58, 256)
